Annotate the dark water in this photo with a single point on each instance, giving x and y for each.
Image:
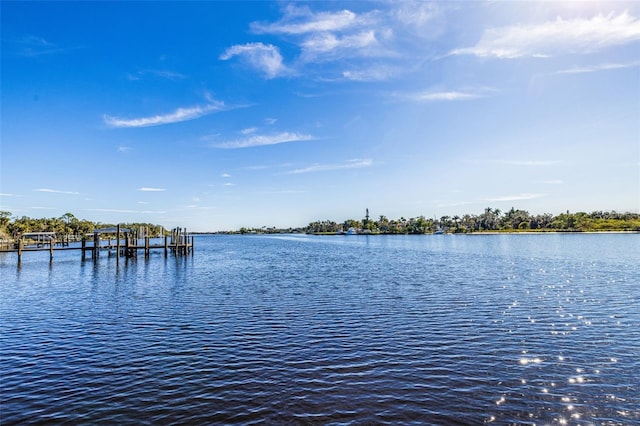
(509, 329)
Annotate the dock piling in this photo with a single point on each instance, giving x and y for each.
(118, 244)
(177, 241)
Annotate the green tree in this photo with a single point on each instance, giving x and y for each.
(5, 218)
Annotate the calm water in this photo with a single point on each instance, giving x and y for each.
(506, 329)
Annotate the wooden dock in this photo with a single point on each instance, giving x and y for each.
(124, 242)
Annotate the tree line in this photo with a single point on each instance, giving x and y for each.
(490, 220)
(67, 225)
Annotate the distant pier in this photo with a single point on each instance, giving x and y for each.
(125, 242)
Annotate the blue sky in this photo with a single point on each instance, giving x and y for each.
(217, 115)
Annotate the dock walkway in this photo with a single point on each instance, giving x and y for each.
(124, 242)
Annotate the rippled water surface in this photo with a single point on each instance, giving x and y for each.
(509, 329)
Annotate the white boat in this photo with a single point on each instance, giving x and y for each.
(351, 231)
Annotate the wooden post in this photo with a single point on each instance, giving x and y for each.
(192, 239)
(166, 248)
(126, 244)
(51, 242)
(20, 243)
(84, 246)
(96, 245)
(117, 244)
(146, 245)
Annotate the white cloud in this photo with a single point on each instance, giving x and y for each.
(147, 189)
(249, 130)
(197, 207)
(181, 114)
(351, 164)
(166, 74)
(299, 20)
(518, 197)
(392, 33)
(529, 163)
(225, 175)
(443, 96)
(262, 140)
(325, 43)
(56, 191)
(578, 35)
(371, 73)
(265, 57)
(34, 46)
(320, 36)
(597, 68)
(124, 148)
(417, 14)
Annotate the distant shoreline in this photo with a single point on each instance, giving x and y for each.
(446, 233)
(552, 231)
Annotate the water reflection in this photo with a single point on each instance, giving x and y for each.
(304, 329)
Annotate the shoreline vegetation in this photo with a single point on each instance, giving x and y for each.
(491, 221)
(67, 227)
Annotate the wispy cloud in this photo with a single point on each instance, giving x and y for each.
(56, 191)
(33, 46)
(378, 44)
(328, 45)
(249, 130)
(419, 19)
(597, 68)
(126, 211)
(181, 114)
(435, 96)
(518, 197)
(265, 57)
(124, 149)
(330, 35)
(379, 72)
(301, 20)
(197, 207)
(253, 139)
(528, 163)
(164, 74)
(225, 175)
(560, 36)
(351, 164)
(147, 189)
